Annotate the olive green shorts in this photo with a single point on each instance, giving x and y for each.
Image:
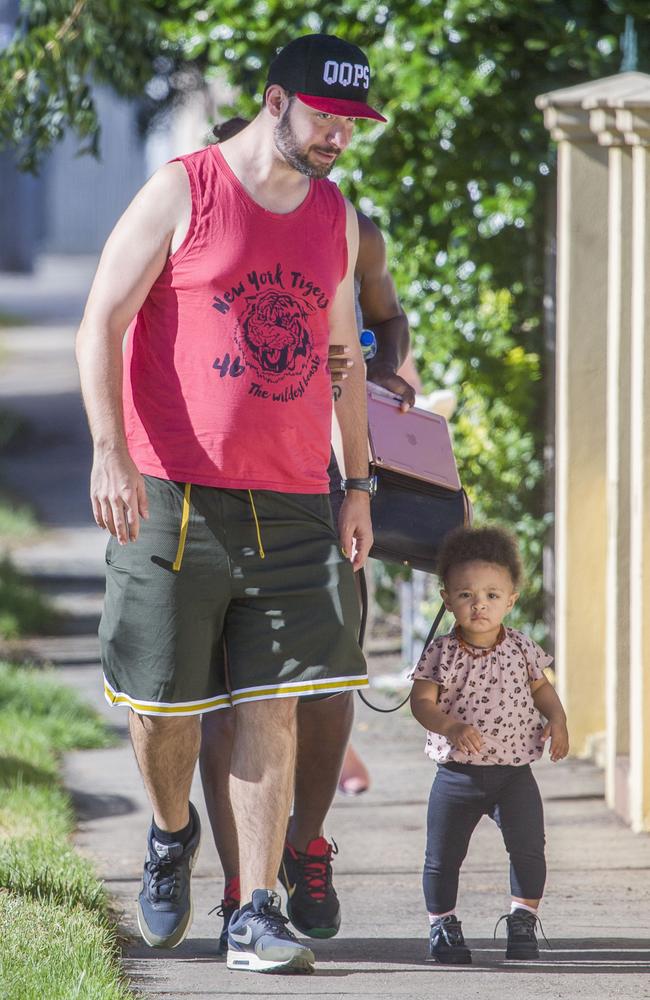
(228, 596)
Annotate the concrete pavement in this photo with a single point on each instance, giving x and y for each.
(597, 910)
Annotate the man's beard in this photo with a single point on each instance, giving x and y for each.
(287, 144)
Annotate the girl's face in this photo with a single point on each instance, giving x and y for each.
(479, 595)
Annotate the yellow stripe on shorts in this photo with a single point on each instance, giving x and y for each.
(117, 698)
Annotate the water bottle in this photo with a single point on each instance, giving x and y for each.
(368, 343)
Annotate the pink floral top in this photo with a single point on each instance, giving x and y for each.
(489, 689)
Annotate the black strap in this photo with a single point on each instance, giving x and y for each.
(363, 587)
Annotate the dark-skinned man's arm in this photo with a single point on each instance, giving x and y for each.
(382, 313)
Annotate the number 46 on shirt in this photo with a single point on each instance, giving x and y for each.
(227, 367)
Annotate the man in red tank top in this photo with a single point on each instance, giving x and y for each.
(324, 724)
(233, 270)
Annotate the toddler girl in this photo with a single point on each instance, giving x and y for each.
(479, 692)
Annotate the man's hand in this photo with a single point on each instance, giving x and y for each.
(355, 528)
(385, 375)
(117, 494)
(558, 734)
(339, 362)
(464, 737)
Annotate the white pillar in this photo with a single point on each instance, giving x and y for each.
(580, 445)
(639, 776)
(617, 620)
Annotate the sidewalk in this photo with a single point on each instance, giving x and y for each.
(597, 911)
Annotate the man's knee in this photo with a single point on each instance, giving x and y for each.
(163, 727)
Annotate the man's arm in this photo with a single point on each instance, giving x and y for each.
(350, 408)
(382, 312)
(135, 254)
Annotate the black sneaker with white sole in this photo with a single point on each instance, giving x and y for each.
(312, 904)
(164, 903)
(226, 911)
(522, 939)
(446, 942)
(259, 940)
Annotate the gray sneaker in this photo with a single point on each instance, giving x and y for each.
(258, 939)
(164, 903)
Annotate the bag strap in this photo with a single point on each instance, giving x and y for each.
(363, 587)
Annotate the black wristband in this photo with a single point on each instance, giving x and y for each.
(368, 485)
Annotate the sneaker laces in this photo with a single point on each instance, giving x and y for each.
(272, 918)
(523, 925)
(164, 883)
(451, 931)
(316, 869)
(227, 906)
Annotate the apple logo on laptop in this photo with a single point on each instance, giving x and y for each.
(411, 438)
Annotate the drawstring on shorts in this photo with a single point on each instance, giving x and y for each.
(260, 548)
(185, 520)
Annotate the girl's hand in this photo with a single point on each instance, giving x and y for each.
(558, 734)
(464, 737)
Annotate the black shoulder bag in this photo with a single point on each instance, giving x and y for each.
(411, 514)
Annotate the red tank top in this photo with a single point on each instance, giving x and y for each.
(225, 377)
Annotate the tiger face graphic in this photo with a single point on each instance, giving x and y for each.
(273, 334)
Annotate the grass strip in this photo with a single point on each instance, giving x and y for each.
(17, 520)
(23, 610)
(55, 952)
(58, 941)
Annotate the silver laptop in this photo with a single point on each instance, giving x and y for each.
(416, 443)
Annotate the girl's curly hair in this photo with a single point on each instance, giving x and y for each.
(487, 544)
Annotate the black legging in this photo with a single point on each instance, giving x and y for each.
(460, 795)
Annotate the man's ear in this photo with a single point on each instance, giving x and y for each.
(273, 99)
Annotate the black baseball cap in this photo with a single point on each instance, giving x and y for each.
(326, 74)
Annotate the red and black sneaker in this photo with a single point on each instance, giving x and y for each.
(229, 904)
(312, 903)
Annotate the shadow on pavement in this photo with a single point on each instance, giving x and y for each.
(88, 806)
(367, 955)
(51, 462)
(61, 649)
(71, 585)
(586, 955)
(193, 949)
(77, 625)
